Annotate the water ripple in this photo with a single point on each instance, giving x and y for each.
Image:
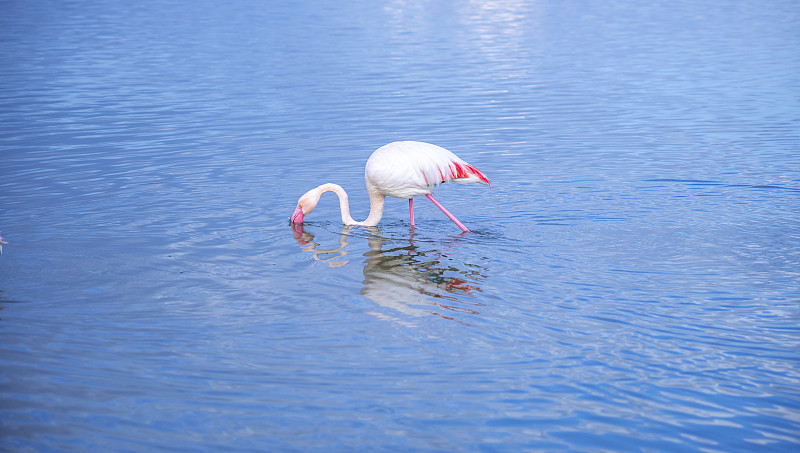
(630, 281)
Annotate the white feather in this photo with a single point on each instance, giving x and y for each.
(409, 169)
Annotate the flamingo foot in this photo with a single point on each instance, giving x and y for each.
(447, 213)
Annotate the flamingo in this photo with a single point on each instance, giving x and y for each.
(402, 170)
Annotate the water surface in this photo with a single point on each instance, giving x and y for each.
(630, 282)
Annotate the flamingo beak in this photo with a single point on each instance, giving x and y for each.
(297, 216)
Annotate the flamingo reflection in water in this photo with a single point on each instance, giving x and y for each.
(403, 277)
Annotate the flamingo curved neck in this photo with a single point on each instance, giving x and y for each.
(376, 202)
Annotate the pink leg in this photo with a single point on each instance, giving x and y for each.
(411, 208)
(447, 213)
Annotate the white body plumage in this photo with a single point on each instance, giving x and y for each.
(410, 169)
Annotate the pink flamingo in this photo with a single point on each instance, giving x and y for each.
(400, 170)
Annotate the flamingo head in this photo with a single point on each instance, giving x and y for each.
(305, 205)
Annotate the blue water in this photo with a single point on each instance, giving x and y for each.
(631, 281)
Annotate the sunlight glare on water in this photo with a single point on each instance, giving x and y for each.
(630, 281)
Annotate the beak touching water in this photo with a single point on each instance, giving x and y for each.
(297, 216)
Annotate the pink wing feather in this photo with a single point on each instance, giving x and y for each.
(409, 169)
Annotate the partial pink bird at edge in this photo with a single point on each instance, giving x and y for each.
(402, 170)
(2, 242)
